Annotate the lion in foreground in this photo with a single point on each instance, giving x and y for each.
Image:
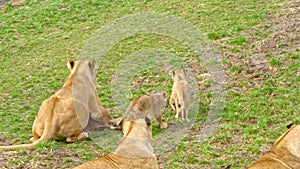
(66, 113)
(148, 105)
(285, 152)
(181, 94)
(134, 150)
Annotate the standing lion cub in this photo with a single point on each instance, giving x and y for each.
(146, 105)
(66, 114)
(181, 94)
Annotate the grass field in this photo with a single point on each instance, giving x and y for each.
(259, 42)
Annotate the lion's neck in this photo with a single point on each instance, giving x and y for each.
(136, 144)
(133, 148)
(68, 82)
(79, 81)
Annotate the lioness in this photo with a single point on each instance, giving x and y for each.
(146, 105)
(134, 150)
(67, 112)
(181, 94)
(285, 152)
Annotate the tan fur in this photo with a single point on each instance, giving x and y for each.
(146, 105)
(133, 152)
(65, 116)
(181, 93)
(284, 154)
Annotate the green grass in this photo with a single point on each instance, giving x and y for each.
(38, 37)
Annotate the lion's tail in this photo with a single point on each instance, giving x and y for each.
(47, 133)
(24, 146)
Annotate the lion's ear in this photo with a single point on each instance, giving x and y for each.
(289, 125)
(92, 64)
(172, 73)
(118, 121)
(70, 64)
(165, 94)
(148, 121)
(186, 71)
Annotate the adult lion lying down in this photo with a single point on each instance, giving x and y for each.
(133, 152)
(67, 112)
(285, 152)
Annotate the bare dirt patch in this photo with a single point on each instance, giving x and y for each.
(278, 35)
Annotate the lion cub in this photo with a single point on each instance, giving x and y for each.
(181, 93)
(146, 105)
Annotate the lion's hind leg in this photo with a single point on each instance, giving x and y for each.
(186, 114)
(172, 103)
(35, 137)
(162, 124)
(80, 137)
(183, 111)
